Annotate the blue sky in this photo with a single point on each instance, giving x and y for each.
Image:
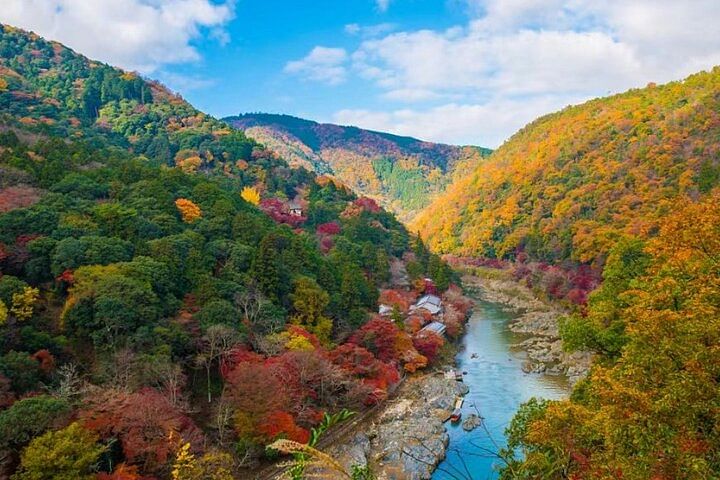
(455, 71)
(249, 72)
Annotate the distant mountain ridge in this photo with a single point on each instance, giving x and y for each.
(404, 173)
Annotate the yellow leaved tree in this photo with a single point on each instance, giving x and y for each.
(250, 195)
(23, 303)
(189, 211)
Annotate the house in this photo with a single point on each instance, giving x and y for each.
(385, 310)
(431, 303)
(435, 327)
(295, 209)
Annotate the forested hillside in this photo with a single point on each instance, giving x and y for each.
(626, 185)
(47, 89)
(402, 173)
(650, 407)
(571, 184)
(174, 297)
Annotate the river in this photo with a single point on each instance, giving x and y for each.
(497, 388)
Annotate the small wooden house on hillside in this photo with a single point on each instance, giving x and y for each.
(295, 209)
(435, 327)
(385, 310)
(431, 303)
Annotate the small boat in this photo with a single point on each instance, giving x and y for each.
(456, 415)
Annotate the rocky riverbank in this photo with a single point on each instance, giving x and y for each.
(539, 321)
(407, 439)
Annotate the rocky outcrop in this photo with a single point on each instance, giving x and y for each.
(539, 321)
(407, 439)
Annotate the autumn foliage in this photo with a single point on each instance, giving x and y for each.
(279, 211)
(648, 409)
(250, 195)
(189, 211)
(329, 228)
(143, 422)
(154, 323)
(570, 184)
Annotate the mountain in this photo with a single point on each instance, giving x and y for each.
(403, 173)
(570, 184)
(628, 184)
(173, 296)
(49, 90)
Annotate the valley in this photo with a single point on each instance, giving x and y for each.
(185, 297)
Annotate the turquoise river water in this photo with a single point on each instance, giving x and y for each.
(497, 387)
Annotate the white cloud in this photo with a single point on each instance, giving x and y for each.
(484, 124)
(382, 5)
(183, 83)
(369, 31)
(322, 64)
(353, 28)
(516, 59)
(410, 95)
(134, 34)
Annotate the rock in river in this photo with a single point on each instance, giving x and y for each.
(471, 422)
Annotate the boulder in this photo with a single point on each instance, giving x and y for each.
(461, 389)
(471, 422)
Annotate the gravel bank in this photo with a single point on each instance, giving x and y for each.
(407, 440)
(539, 321)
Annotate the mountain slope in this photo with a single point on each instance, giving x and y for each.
(402, 172)
(570, 184)
(158, 268)
(49, 90)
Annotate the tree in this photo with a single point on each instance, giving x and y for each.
(265, 268)
(22, 370)
(189, 211)
(250, 195)
(309, 303)
(23, 303)
(144, 422)
(254, 392)
(210, 466)
(328, 228)
(68, 454)
(649, 412)
(106, 306)
(378, 335)
(71, 253)
(218, 341)
(439, 272)
(3, 313)
(263, 317)
(281, 425)
(602, 327)
(355, 292)
(30, 417)
(10, 286)
(218, 312)
(428, 344)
